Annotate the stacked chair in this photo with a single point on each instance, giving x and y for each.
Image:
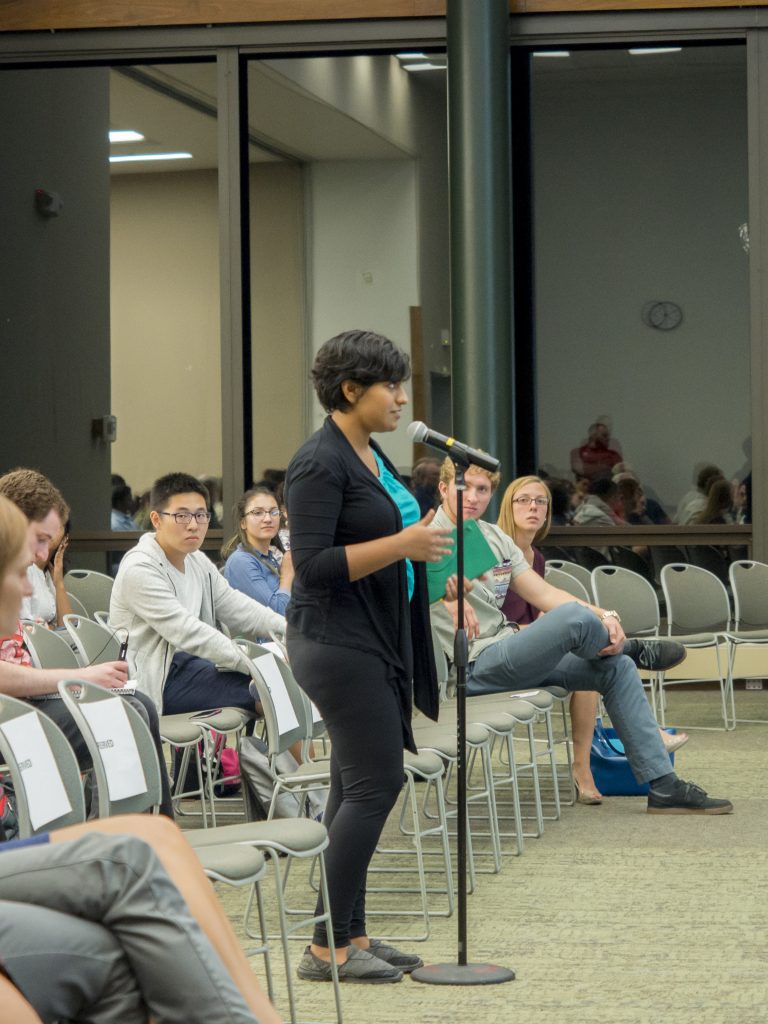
(698, 616)
(516, 780)
(294, 839)
(91, 590)
(749, 636)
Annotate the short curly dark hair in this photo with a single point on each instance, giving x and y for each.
(360, 356)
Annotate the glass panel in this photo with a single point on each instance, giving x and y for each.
(111, 299)
(54, 211)
(164, 285)
(348, 219)
(641, 308)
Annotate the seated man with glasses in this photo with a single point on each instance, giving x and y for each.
(573, 645)
(170, 597)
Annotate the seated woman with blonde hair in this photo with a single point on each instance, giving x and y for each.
(526, 516)
(112, 919)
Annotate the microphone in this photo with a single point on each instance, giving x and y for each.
(462, 454)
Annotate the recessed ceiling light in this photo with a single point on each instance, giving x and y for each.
(643, 51)
(424, 67)
(552, 53)
(125, 136)
(135, 157)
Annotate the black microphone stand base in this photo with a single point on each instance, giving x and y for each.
(463, 974)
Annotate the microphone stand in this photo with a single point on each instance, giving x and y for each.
(461, 973)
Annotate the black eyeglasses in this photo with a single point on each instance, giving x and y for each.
(185, 518)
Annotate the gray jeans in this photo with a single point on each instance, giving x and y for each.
(560, 649)
(94, 929)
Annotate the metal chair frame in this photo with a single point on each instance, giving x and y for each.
(270, 838)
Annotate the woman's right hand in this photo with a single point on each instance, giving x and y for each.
(424, 543)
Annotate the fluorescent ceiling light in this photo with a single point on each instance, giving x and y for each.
(125, 136)
(643, 51)
(134, 157)
(411, 56)
(424, 67)
(552, 53)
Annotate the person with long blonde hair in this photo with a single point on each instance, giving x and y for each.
(112, 918)
(525, 515)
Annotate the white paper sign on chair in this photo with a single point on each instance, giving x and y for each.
(112, 732)
(46, 796)
(277, 651)
(284, 711)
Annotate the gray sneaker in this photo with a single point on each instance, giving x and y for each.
(686, 798)
(405, 962)
(654, 655)
(360, 967)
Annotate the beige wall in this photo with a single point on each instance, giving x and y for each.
(165, 325)
(280, 368)
(165, 321)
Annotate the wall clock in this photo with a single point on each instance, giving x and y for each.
(662, 316)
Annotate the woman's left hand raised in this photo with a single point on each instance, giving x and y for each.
(424, 543)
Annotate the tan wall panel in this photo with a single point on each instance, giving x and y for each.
(165, 325)
(165, 321)
(280, 374)
(35, 15)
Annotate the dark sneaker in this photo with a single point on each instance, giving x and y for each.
(360, 967)
(686, 798)
(654, 655)
(405, 962)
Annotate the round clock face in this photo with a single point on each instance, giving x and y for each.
(663, 316)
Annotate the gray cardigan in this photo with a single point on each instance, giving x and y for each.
(144, 602)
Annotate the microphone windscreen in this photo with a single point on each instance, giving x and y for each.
(417, 431)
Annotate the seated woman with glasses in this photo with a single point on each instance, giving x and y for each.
(257, 563)
(525, 516)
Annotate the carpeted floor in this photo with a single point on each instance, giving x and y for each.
(612, 916)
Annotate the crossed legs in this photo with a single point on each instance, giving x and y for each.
(144, 921)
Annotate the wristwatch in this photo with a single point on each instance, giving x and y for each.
(610, 614)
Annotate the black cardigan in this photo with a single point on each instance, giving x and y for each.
(334, 500)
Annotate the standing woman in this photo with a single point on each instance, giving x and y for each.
(358, 625)
(525, 516)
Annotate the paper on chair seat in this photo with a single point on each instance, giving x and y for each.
(46, 796)
(273, 648)
(112, 731)
(270, 673)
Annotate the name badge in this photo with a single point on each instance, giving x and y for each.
(501, 575)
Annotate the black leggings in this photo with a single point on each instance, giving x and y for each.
(362, 715)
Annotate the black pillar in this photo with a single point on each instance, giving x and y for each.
(479, 171)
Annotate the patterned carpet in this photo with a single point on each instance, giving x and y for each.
(612, 916)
